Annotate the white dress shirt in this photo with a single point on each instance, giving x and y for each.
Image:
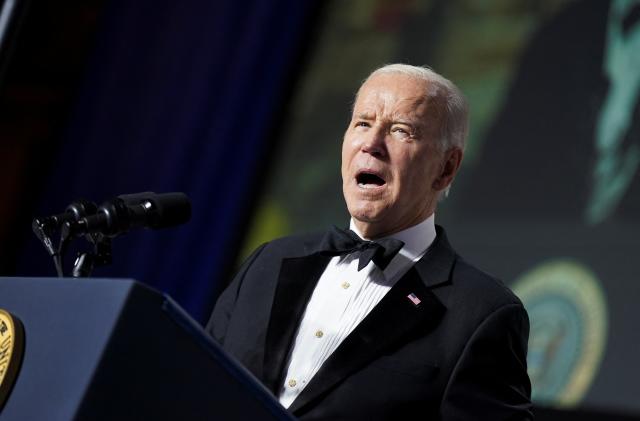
(342, 298)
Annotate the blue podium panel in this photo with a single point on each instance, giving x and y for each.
(108, 349)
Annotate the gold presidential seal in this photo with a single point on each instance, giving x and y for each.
(11, 350)
(568, 311)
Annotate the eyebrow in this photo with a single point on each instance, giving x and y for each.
(371, 116)
(365, 115)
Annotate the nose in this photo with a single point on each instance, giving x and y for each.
(374, 143)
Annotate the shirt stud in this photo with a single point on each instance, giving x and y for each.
(292, 383)
(319, 334)
(345, 285)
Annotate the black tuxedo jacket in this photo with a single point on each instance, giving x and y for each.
(458, 355)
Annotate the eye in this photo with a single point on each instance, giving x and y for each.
(362, 124)
(401, 132)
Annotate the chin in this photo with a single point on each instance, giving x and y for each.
(366, 211)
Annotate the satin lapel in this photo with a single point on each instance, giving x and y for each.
(391, 323)
(297, 279)
(436, 265)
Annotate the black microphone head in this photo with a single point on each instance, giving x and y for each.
(171, 209)
(138, 210)
(137, 198)
(158, 211)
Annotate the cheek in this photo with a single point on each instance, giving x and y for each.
(416, 177)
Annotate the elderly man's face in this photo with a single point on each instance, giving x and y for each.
(392, 166)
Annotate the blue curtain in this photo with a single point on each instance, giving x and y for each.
(178, 96)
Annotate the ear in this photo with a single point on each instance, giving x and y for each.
(450, 165)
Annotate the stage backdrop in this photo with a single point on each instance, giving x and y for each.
(549, 194)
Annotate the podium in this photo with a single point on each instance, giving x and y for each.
(113, 349)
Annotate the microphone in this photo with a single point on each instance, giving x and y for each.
(44, 227)
(139, 210)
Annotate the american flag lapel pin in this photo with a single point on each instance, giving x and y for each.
(414, 299)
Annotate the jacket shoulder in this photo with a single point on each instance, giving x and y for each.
(294, 245)
(489, 291)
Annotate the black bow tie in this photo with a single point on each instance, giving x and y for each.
(339, 242)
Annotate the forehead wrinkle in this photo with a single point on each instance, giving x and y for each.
(408, 109)
(386, 106)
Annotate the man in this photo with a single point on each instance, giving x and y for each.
(341, 328)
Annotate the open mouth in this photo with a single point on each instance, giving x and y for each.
(369, 180)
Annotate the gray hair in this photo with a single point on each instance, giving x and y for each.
(455, 124)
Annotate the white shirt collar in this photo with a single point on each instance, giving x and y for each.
(417, 238)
